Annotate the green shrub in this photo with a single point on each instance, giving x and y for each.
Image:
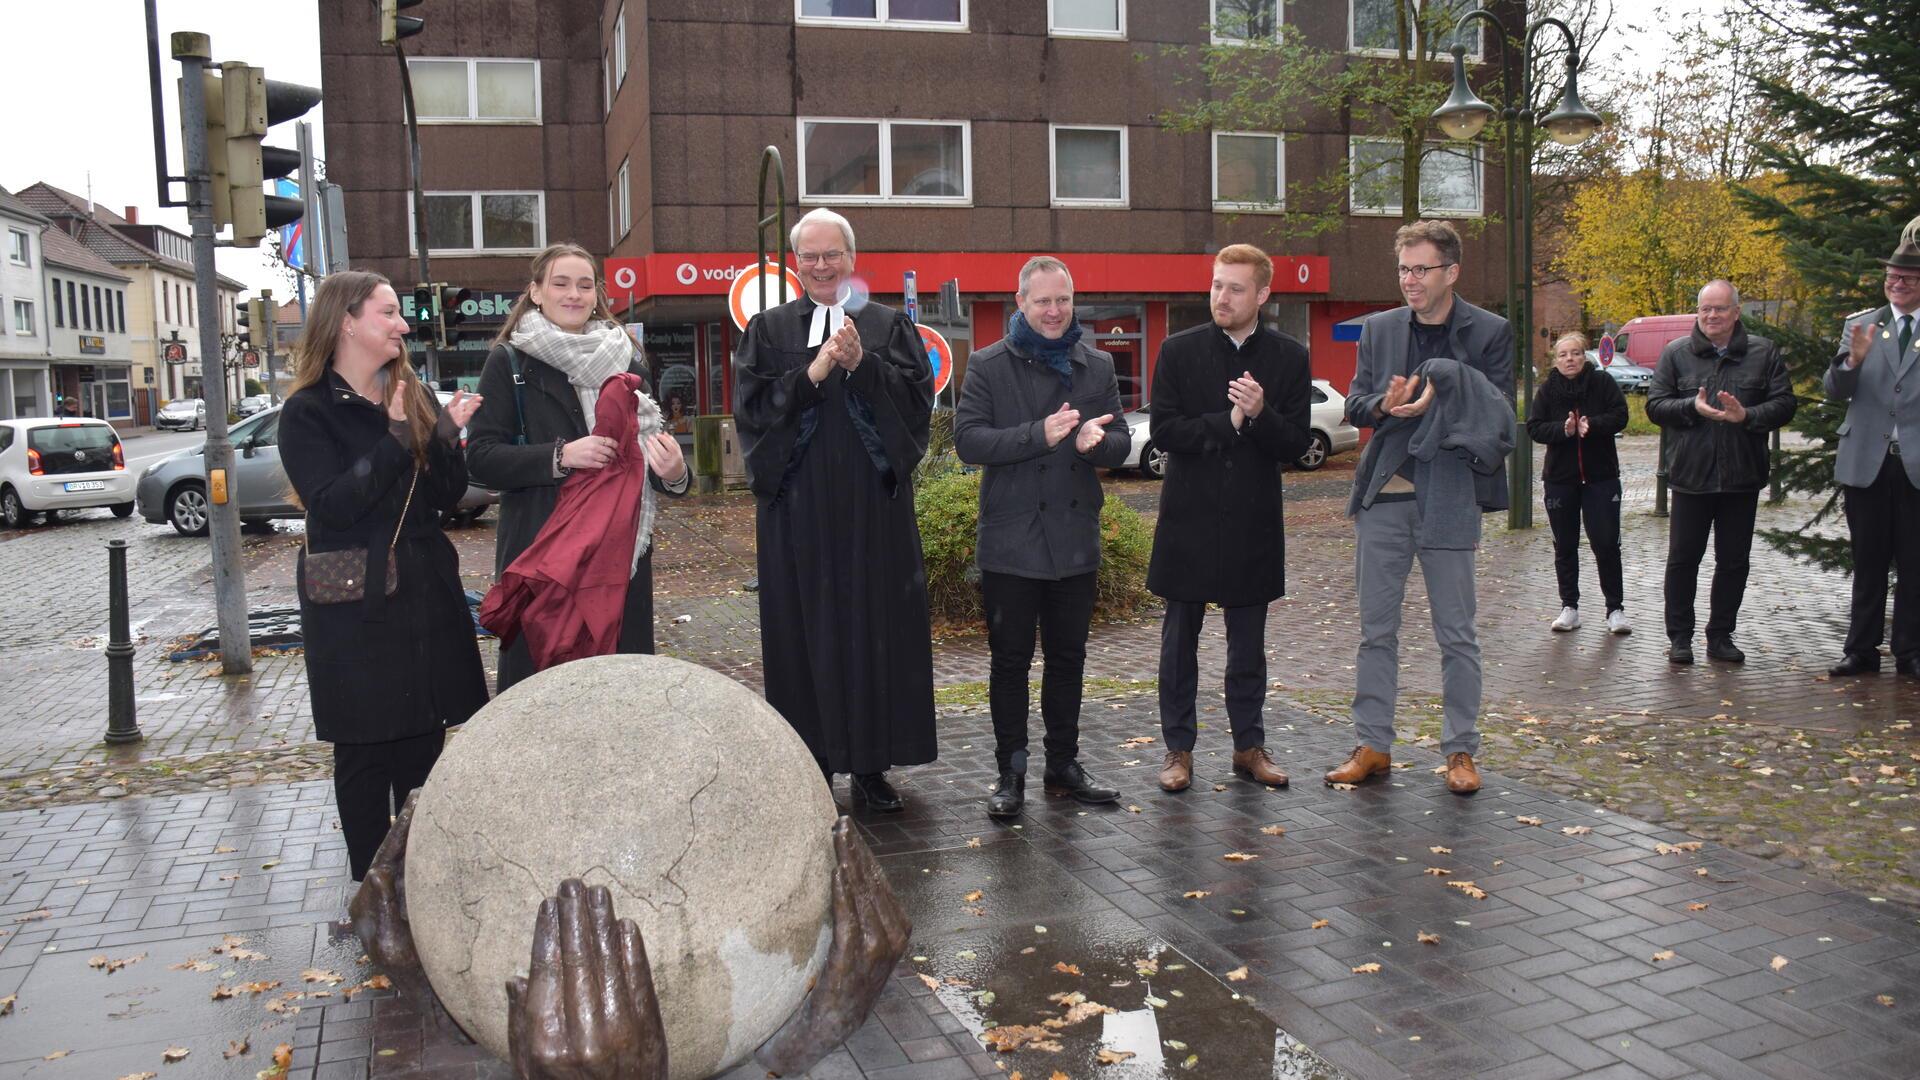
(947, 504)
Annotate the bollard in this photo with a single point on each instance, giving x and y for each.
(121, 727)
(1660, 478)
(1774, 494)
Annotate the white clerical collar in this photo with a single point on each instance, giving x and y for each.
(826, 323)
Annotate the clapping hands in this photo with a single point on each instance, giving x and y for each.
(1729, 411)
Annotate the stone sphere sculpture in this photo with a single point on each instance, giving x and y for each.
(681, 791)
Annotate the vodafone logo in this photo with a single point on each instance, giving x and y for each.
(686, 273)
(625, 278)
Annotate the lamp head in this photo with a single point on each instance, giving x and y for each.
(1464, 115)
(1572, 123)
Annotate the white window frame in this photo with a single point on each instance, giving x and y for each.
(886, 164)
(24, 307)
(1053, 169)
(540, 241)
(1099, 35)
(620, 50)
(1480, 181)
(24, 245)
(882, 19)
(1475, 53)
(1279, 20)
(606, 82)
(1280, 175)
(626, 199)
(613, 222)
(473, 91)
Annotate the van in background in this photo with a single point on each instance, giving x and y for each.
(1642, 339)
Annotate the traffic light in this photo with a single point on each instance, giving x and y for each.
(394, 26)
(447, 311)
(252, 105)
(257, 318)
(422, 308)
(216, 133)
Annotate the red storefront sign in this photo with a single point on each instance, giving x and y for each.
(712, 273)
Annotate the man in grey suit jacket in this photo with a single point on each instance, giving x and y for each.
(1387, 511)
(1876, 373)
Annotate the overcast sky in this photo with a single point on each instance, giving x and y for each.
(74, 86)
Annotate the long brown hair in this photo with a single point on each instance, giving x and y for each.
(342, 295)
(542, 263)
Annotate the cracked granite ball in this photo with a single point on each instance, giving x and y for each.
(680, 790)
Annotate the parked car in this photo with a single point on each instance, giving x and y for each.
(1629, 376)
(174, 489)
(50, 464)
(1641, 340)
(247, 406)
(182, 414)
(1331, 434)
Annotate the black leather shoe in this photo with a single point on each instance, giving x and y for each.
(1907, 665)
(1723, 648)
(1856, 664)
(1680, 652)
(1071, 779)
(1009, 795)
(876, 792)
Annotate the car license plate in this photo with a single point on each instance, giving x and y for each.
(86, 485)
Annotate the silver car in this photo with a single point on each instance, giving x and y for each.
(181, 414)
(174, 489)
(1328, 417)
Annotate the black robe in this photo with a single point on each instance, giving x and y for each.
(844, 636)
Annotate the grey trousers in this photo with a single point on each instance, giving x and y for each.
(1384, 557)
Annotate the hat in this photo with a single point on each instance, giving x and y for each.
(1907, 255)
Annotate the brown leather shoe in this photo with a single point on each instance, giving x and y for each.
(1257, 765)
(1365, 761)
(1462, 777)
(1177, 773)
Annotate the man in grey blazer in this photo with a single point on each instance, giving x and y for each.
(1878, 464)
(1388, 510)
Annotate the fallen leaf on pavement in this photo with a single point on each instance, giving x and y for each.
(974, 896)
(280, 1007)
(975, 842)
(246, 954)
(1577, 830)
(378, 982)
(236, 1047)
(1885, 999)
(1696, 907)
(331, 978)
(174, 1053)
(1274, 830)
(1675, 849)
(1701, 872)
(1469, 888)
(1341, 787)
(1138, 740)
(1009, 1037)
(34, 916)
(1530, 821)
(1591, 740)
(1367, 969)
(139, 1076)
(56, 1055)
(1764, 770)
(1067, 1000)
(1779, 962)
(1664, 954)
(1133, 809)
(1427, 939)
(1065, 968)
(1437, 871)
(1195, 894)
(224, 850)
(6, 1003)
(1438, 850)
(932, 983)
(1146, 969)
(1238, 974)
(1112, 1057)
(1075, 1013)
(283, 1056)
(221, 993)
(1320, 924)
(1239, 856)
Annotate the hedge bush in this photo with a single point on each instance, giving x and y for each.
(947, 503)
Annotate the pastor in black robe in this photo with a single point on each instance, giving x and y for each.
(844, 636)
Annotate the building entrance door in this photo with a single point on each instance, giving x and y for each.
(1117, 329)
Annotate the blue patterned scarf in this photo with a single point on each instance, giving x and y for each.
(1049, 351)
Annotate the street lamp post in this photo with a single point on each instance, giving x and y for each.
(1464, 116)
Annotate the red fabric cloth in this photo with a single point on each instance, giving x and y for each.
(568, 590)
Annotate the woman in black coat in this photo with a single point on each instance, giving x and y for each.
(1576, 413)
(558, 345)
(376, 463)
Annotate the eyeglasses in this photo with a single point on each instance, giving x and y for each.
(1903, 279)
(808, 258)
(1418, 272)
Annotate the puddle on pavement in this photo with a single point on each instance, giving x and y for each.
(1036, 945)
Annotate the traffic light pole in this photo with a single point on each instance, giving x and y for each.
(223, 525)
(419, 200)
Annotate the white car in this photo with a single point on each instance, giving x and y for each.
(1328, 417)
(181, 414)
(50, 464)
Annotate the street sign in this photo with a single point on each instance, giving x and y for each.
(940, 353)
(743, 298)
(250, 358)
(1606, 350)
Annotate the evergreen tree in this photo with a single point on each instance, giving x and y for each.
(1847, 153)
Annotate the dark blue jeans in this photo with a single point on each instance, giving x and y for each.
(1598, 504)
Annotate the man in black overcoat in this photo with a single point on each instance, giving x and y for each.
(832, 408)
(1231, 402)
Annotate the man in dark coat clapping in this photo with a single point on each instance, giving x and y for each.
(1231, 402)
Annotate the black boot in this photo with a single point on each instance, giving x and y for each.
(878, 794)
(1009, 795)
(1071, 779)
(1721, 647)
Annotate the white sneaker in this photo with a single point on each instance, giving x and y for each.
(1569, 619)
(1617, 622)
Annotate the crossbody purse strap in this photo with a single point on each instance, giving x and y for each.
(306, 537)
(519, 396)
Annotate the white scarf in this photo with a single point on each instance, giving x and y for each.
(588, 359)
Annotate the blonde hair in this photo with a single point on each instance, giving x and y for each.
(537, 275)
(340, 296)
(1571, 335)
(1248, 255)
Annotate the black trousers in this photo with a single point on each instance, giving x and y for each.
(1246, 680)
(1884, 520)
(370, 782)
(1062, 610)
(1598, 504)
(1729, 517)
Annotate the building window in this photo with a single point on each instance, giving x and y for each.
(1249, 20)
(905, 14)
(192, 309)
(468, 222)
(626, 199)
(120, 309)
(1249, 171)
(19, 248)
(99, 308)
(606, 82)
(23, 317)
(1088, 165)
(613, 219)
(1374, 27)
(1087, 18)
(880, 161)
(59, 309)
(166, 301)
(481, 90)
(1451, 179)
(620, 49)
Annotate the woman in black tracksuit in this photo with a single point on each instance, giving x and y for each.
(1576, 413)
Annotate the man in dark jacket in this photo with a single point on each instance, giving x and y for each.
(1231, 402)
(1718, 392)
(1035, 411)
(1394, 521)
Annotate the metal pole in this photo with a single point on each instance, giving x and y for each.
(1774, 493)
(273, 331)
(1660, 477)
(121, 726)
(1522, 510)
(229, 580)
(161, 177)
(312, 237)
(419, 205)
